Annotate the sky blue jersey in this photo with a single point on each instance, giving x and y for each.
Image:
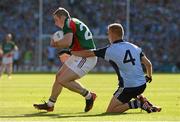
(125, 58)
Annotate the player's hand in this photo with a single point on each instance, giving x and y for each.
(64, 51)
(148, 79)
(52, 43)
(64, 54)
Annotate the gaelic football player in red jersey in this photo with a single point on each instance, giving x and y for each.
(77, 36)
(8, 47)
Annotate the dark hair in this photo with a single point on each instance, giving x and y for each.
(61, 12)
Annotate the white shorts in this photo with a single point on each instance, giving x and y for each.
(81, 66)
(7, 60)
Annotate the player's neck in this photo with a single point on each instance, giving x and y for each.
(116, 40)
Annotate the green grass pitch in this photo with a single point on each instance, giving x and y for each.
(18, 94)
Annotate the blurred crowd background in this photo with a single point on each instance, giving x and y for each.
(154, 26)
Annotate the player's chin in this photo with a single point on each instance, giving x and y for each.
(64, 57)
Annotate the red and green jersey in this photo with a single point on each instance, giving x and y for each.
(82, 36)
(7, 47)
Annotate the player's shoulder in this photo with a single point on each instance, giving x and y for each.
(78, 22)
(69, 21)
(75, 19)
(131, 44)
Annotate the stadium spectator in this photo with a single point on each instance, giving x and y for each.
(28, 58)
(77, 36)
(126, 59)
(7, 48)
(152, 25)
(16, 60)
(1, 54)
(51, 55)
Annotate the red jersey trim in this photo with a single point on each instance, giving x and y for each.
(75, 44)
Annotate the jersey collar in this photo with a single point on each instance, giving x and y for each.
(118, 41)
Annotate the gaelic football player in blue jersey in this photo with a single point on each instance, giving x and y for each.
(126, 58)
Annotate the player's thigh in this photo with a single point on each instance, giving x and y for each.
(81, 66)
(61, 69)
(65, 74)
(113, 104)
(126, 94)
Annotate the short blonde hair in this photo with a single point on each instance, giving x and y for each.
(117, 29)
(61, 12)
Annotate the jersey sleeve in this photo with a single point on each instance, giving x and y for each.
(141, 53)
(101, 52)
(67, 28)
(13, 44)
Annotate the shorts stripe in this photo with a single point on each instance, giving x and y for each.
(132, 105)
(81, 63)
(118, 92)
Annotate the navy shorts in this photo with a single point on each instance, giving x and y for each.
(126, 94)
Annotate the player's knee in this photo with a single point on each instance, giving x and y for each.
(63, 83)
(113, 110)
(60, 81)
(109, 109)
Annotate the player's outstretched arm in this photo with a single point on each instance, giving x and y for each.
(84, 53)
(148, 65)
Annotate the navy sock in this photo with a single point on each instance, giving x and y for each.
(134, 104)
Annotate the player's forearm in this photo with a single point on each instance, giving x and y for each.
(148, 65)
(65, 42)
(84, 53)
(62, 44)
(149, 69)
